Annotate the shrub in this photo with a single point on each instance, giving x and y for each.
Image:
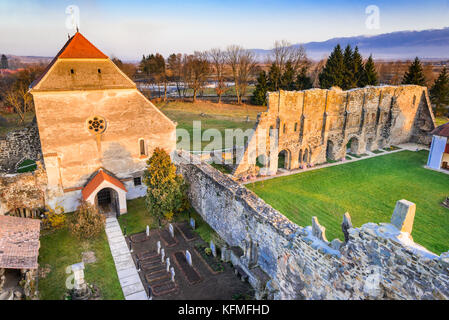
(54, 218)
(208, 251)
(87, 221)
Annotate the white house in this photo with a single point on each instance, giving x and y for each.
(439, 149)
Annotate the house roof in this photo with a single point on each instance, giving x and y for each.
(97, 180)
(19, 242)
(442, 131)
(77, 47)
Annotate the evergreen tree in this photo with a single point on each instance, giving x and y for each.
(333, 72)
(166, 190)
(260, 93)
(369, 77)
(348, 70)
(303, 82)
(274, 78)
(288, 78)
(358, 68)
(415, 74)
(439, 93)
(4, 62)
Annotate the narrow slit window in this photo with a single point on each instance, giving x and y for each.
(72, 71)
(142, 147)
(99, 71)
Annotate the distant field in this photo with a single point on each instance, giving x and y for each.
(441, 120)
(211, 115)
(368, 190)
(9, 122)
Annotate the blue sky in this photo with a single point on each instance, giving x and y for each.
(128, 29)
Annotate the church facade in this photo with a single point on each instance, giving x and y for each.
(96, 129)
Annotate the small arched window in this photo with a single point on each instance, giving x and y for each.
(72, 71)
(142, 147)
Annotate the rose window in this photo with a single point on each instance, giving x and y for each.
(96, 124)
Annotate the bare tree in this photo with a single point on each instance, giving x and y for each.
(242, 63)
(197, 69)
(284, 52)
(20, 100)
(218, 59)
(175, 65)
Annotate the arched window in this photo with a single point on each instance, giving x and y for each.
(142, 147)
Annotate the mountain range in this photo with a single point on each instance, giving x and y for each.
(402, 45)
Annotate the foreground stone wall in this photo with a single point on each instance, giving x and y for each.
(314, 125)
(376, 262)
(19, 145)
(23, 190)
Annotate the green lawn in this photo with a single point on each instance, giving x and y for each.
(60, 250)
(368, 190)
(138, 218)
(212, 116)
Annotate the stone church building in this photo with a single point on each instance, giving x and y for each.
(96, 129)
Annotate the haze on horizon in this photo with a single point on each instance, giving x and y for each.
(135, 27)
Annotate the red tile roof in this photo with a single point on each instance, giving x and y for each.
(442, 131)
(19, 242)
(79, 47)
(98, 179)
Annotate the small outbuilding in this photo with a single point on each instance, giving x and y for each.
(439, 149)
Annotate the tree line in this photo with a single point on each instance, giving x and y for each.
(193, 71)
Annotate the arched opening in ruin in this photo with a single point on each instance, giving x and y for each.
(284, 159)
(306, 156)
(330, 150)
(369, 144)
(352, 146)
(263, 161)
(107, 201)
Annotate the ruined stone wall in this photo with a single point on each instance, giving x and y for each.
(377, 261)
(314, 125)
(19, 145)
(23, 190)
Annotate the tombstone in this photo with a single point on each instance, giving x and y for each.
(189, 258)
(78, 272)
(158, 247)
(148, 230)
(192, 223)
(212, 248)
(172, 271)
(167, 261)
(224, 254)
(162, 255)
(172, 231)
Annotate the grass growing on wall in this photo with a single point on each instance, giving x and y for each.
(60, 249)
(368, 190)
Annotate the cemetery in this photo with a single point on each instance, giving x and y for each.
(171, 267)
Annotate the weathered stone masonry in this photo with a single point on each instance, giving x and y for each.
(19, 145)
(300, 262)
(314, 125)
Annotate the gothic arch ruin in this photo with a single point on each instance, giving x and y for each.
(316, 125)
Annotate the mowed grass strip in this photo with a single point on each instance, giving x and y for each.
(368, 190)
(61, 249)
